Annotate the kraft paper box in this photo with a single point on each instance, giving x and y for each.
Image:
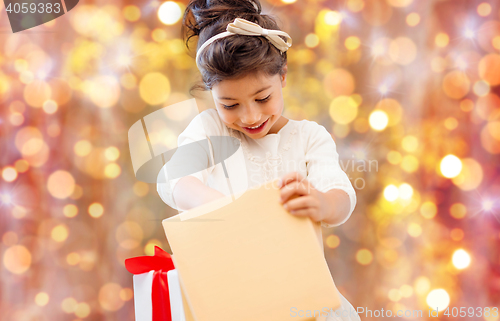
(248, 260)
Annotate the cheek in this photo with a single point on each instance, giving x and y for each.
(228, 117)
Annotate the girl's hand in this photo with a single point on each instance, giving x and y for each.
(300, 198)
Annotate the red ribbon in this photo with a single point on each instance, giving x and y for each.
(161, 262)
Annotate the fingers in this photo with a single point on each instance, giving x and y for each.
(301, 203)
(293, 189)
(289, 178)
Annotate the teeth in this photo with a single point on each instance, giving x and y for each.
(256, 126)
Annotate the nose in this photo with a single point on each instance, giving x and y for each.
(251, 116)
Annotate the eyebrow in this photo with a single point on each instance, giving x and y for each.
(258, 91)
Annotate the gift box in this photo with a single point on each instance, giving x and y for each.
(157, 294)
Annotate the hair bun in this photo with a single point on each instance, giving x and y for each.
(200, 14)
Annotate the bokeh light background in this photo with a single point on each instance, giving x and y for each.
(409, 90)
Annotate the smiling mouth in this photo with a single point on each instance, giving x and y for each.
(256, 126)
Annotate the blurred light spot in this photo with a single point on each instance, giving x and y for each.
(36, 93)
(128, 81)
(428, 210)
(312, 40)
(414, 229)
(288, 1)
(343, 110)
(112, 153)
(50, 106)
(489, 69)
(406, 290)
(6, 199)
(82, 148)
(70, 210)
(129, 235)
(456, 234)
(490, 137)
(383, 89)
(413, 19)
(169, 13)
(352, 43)
(405, 191)
(450, 123)
(392, 108)
(355, 5)
(410, 143)
(77, 193)
(403, 50)
(341, 130)
(59, 233)
(461, 259)
(481, 88)
(104, 91)
(468, 33)
(131, 13)
(112, 170)
(484, 9)
(470, 176)
(488, 205)
(159, 35)
(394, 295)
(140, 189)
(339, 82)
(400, 3)
(68, 305)
(22, 165)
(82, 310)
(409, 163)
(149, 249)
(438, 64)
(96, 210)
(19, 212)
(456, 84)
(333, 18)
(438, 299)
(60, 184)
(378, 120)
(422, 285)
(496, 42)
(364, 256)
(109, 297)
(9, 174)
(126, 294)
(391, 192)
(32, 147)
(442, 40)
(466, 105)
(53, 130)
(17, 259)
(332, 241)
(394, 157)
(16, 119)
(458, 210)
(73, 258)
(10, 238)
(154, 88)
(450, 166)
(377, 12)
(20, 65)
(41, 299)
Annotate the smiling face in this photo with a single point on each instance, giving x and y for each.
(251, 101)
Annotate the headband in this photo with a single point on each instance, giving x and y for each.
(244, 27)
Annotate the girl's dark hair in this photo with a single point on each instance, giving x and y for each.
(231, 57)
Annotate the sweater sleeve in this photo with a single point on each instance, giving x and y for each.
(192, 158)
(323, 168)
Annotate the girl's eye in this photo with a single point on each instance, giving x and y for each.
(229, 107)
(264, 100)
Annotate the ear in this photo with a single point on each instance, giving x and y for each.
(283, 77)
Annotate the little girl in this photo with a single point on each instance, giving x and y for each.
(242, 58)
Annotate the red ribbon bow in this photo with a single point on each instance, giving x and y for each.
(161, 262)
